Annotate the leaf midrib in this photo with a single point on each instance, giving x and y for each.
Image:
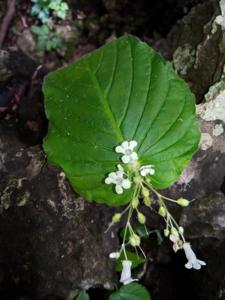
(105, 102)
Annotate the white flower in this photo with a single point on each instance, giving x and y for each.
(193, 262)
(148, 169)
(220, 20)
(177, 243)
(127, 148)
(125, 277)
(118, 179)
(115, 255)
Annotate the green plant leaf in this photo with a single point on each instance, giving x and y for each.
(132, 291)
(122, 91)
(136, 260)
(82, 296)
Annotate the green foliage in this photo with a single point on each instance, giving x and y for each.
(122, 91)
(132, 291)
(82, 296)
(59, 8)
(47, 40)
(44, 8)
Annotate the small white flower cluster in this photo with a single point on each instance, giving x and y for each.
(127, 149)
(120, 178)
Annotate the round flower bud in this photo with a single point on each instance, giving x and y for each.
(141, 218)
(174, 231)
(135, 202)
(147, 201)
(183, 202)
(166, 232)
(116, 218)
(135, 240)
(181, 230)
(162, 211)
(145, 192)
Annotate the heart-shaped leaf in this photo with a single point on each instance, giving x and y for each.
(132, 291)
(122, 91)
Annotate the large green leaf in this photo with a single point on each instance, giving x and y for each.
(132, 291)
(122, 91)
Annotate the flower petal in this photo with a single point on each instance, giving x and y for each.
(196, 265)
(119, 149)
(119, 189)
(134, 156)
(119, 174)
(108, 180)
(188, 265)
(125, 145)
(120, 168)
(112, 176)
(132, 144)
(129, 280)
(175, 247)
(143, 172)
(151, 171)
(125, 159)
(202, 263)
(126, 184)
(174, 238)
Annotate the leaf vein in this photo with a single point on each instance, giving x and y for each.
(130, 91)
(168, 129)
(105, 102)
(146, 100)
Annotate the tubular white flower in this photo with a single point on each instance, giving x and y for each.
(127, 148)
(118, 179)
(125, 277)
(193, 262)
(147, 170)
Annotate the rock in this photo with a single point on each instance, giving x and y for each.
(190, 43)
(54, 241)
(26, 42)
(205, 224)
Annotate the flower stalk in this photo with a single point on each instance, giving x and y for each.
(131, 173)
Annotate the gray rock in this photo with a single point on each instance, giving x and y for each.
(54, 241)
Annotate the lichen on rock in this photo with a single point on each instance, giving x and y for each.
(184, 58)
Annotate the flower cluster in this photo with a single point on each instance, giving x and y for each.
(131, 173)
(120, 178)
